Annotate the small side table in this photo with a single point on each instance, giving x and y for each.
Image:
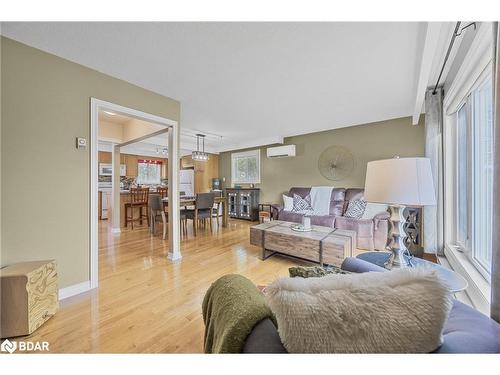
(29, 296)
(265, 214)
(455, 281)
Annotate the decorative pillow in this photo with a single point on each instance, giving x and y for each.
(301, 204)
(355, 209)
(373, 209)
(401, 311)
(315, 271)
(287, 203)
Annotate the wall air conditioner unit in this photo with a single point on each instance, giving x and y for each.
(281, 151)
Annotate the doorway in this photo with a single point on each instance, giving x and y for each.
(98, 106)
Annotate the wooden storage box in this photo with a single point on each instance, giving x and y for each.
(29, 296)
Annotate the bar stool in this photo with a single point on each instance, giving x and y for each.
(139, 198)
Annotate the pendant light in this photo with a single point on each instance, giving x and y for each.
(200, 155)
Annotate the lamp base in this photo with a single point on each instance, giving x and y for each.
(398, 248)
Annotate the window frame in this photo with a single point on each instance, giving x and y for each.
(487, 74)
(477, 59)
(156, 164)
(452, 240)
(465, 247)
(242, 154)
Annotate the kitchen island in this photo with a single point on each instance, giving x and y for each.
(124, 198)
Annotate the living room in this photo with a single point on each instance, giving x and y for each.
(348, 201)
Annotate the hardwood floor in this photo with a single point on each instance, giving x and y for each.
(147, 304)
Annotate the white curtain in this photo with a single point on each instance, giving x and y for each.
(433, 215)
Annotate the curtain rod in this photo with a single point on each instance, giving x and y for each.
(456, 33)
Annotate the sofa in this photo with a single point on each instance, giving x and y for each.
(372, 234)
(466, 331)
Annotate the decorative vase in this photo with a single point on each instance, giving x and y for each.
(306, 222)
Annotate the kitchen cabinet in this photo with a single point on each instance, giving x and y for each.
(104, 201)
(105, 157)
(131, 161)
(99, 205)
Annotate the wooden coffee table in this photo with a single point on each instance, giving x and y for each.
(322, 245)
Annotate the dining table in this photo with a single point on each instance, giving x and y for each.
(186, 201)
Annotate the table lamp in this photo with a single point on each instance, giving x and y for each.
(399, 182)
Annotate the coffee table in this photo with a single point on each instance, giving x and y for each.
(321, 245)
(455, 281)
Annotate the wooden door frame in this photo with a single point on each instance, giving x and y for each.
(97, 105)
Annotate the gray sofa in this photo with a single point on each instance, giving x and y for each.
(466, 331)
(371, 233)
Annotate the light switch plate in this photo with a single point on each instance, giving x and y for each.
(81, 143)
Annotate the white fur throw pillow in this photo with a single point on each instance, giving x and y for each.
(401, 311)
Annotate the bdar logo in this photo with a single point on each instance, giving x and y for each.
(8, 346)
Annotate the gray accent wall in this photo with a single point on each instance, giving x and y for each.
(378, 140)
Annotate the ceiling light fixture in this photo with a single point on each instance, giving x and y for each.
(200, 155)
(162, 150)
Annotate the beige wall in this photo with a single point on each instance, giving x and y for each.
(110, 131)
(367, 142)
(45, 179)
(137, 128)
(127, 131)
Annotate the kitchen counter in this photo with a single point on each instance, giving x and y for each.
(122, 191)
(124, 198)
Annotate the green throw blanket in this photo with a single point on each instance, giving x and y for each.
(231, 308)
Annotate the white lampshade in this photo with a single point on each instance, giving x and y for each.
(400, 181)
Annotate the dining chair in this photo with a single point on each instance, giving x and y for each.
(138, 199)
(216, 208)
(157, 211)
(204, 203)
(163, 191)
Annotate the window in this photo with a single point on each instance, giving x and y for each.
(462, 211)
(149, 172)
(483, 173)
(245, 167)
(473, 189)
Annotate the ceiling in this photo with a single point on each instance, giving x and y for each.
(254, 83)
(114, 118)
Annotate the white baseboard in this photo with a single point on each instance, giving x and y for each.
(173, 257)
(115, 230)
(73, 290)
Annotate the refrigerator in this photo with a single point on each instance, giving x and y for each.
(186, 181)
